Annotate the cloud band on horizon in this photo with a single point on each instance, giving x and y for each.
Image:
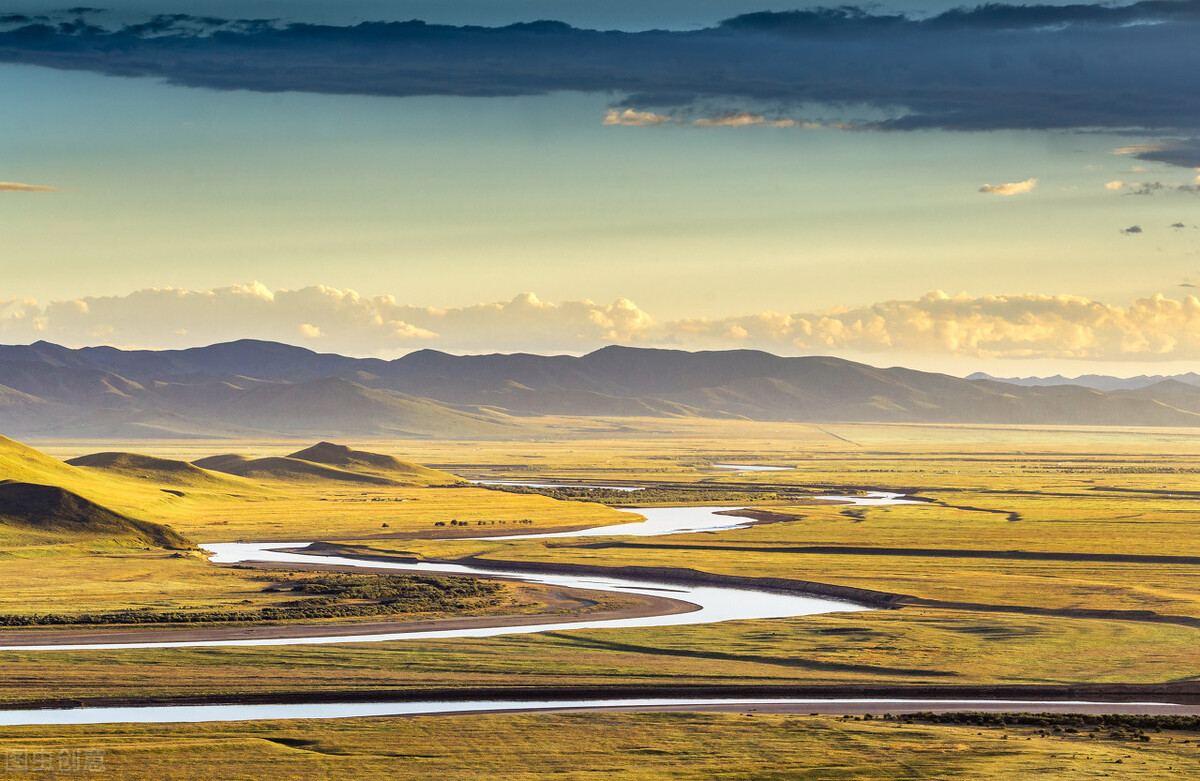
(1095, 67)
(329, 319)
(17, 187)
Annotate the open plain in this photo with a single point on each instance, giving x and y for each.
(1033, 563)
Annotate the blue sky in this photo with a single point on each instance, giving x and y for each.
(443, 202)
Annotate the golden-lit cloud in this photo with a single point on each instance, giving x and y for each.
(634, 118)
(746, 119)
(936, 324)
(1022, 326)
(17, 187)
(336, 319)
(1114, 185)
(1011, 188)
(1141, 149)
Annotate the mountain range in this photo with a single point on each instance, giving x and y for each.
(1097, 381)
(254, 388)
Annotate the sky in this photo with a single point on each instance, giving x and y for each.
(1009, 189)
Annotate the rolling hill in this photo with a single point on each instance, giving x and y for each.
(363, 462)
(53, 511)
(283, 469)
(326, 461)
(160, 471)
(105, 495)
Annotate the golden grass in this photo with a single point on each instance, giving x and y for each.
(924, 647)
(1065, 490)
(637, 747)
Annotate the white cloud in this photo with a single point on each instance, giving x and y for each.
(1011, 188)
(343, 320)
(634, 118)
(988, 327)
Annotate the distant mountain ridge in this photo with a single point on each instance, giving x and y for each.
(256, 388)
(1100, 382)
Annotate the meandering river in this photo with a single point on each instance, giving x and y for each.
(712, 604)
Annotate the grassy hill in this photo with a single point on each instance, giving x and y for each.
(23, 463)
(326, 461)
(380, 465)
(161, 471)
(52, 511)
(285, 469)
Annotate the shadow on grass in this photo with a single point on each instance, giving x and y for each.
(781, 661)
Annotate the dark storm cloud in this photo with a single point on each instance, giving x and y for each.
(991, 67)
(1132, 230)
(1184, 153)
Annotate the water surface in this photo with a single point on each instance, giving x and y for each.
(205, 713)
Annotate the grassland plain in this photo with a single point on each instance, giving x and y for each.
(616, 745)
(1107, 492)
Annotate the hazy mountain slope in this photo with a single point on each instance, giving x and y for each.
(53, 383)
(336, 406)
(1176, 393)
(10, 397)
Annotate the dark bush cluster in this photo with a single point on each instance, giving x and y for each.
(521, 522)
(334, 596)
(1113, 725)
(681, 494)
